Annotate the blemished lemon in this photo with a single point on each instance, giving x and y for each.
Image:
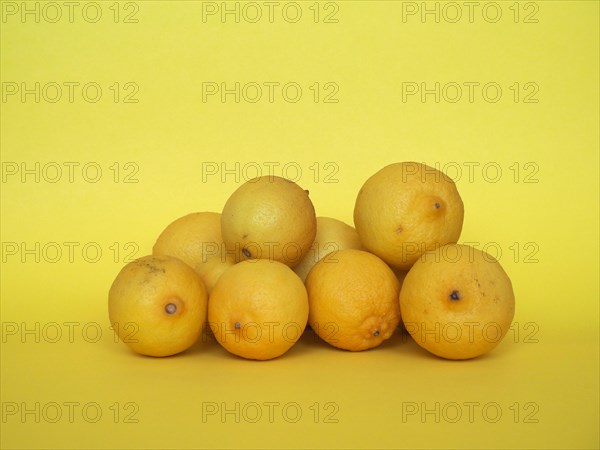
(353, 300)
(332, 235)
(406, 209)
(258, 309)
(157, 305)
(196, 240)
(457, 302)
(269, 218)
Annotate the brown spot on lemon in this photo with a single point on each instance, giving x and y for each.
(173, 292)
(258, 298)
(415, 194)
(431, 285)
(271, 209)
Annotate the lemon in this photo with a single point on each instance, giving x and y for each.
(269, 218)
(258, 309)
(406, 209)
(157, 305)
(353, 300)
(332, 235)
(457, 302)
(196, 239)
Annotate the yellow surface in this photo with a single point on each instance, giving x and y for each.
(171, 143)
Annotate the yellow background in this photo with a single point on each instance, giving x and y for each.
(170, 133)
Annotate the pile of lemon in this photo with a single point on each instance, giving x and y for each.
(257, 273)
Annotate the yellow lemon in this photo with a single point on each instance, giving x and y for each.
(353, 300)
(269, 218)
(457, 302)
(406, 209)
(157, 305)
(332, 235)
(258, 309)
(196, 240)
